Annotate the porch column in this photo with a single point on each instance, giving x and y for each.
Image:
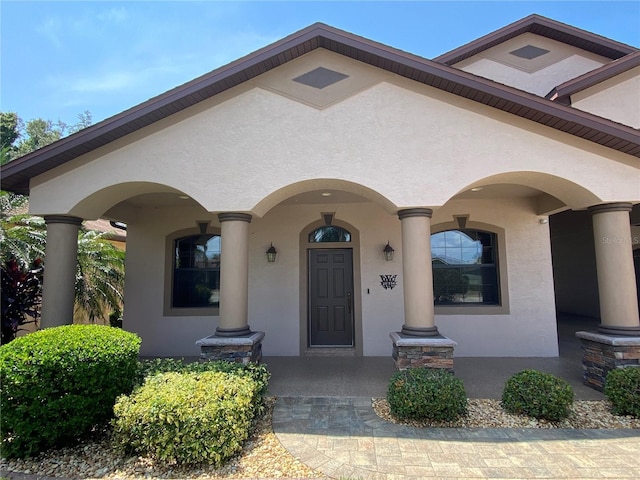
(417, 272)
(616, 344)
(616, 274)
(61, 257)
(419, 344)
(234, 275)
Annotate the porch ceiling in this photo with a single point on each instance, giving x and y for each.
(324, 197)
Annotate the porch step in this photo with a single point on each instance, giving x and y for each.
(330, 352)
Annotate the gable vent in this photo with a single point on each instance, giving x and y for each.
(320, 78)
(529, 52)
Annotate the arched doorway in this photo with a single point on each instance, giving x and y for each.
(330, 307)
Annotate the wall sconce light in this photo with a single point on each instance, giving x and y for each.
(271, 254)
(388, 252)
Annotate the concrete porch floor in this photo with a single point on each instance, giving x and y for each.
(482, 377)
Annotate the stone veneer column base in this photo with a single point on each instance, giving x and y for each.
(422, 352)
(245, 349)
(603, 353)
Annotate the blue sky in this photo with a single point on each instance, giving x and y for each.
(59, 59)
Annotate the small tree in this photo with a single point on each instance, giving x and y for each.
(21, 296)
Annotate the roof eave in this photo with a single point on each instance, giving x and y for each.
(562, 93)
(540, 26)
(16, 174)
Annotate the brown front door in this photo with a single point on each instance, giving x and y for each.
(331, 297)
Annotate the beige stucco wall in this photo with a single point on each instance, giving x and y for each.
(433, 143)
(395, 143)
(617, 99)
(539, 75)
(275, 289)
(530, 280)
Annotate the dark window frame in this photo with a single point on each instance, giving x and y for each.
(210, 309)
(478, 309)
(468, 272)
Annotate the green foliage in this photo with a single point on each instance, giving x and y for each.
(186, 418)
(9, 134)
(21, 297)
(18, 138)
(22, 236)
(622, 388)
(257, 373)
(99, 282)
(419, 393)
(57, 384)
(538, 394)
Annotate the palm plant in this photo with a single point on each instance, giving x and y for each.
(99, 276)
(100, 270)
(22, 236)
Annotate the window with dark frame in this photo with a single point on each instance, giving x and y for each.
(329, 233)
(196, 272)
(465, 268)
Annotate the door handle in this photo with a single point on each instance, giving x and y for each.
(349, 302)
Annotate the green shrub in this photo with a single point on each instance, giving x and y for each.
(419, 393)
(537, 394)
(186, 418)
(622, 388)
(258, 373)
(57, 384)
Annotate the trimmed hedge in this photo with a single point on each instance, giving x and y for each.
(622, 388)
(537, 394)
(256, 372)
(186, 418)
(418, 393)
(57, 384)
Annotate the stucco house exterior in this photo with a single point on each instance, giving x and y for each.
(502, 175)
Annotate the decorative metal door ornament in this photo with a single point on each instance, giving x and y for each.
(388, 281)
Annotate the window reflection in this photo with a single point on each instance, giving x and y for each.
(464, 267)
(196, 275)
(329, 233)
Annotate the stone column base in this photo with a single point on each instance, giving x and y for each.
(422, 352)
(244, 349)
(603, 353)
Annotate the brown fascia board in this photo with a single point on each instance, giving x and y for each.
(545, 27)
(562, 93)
(17, 174)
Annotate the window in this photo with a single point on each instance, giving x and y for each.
(196, 271)
(465, 267)
(329, 233)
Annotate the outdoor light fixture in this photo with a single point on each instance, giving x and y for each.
(388, 252)
(271, 254)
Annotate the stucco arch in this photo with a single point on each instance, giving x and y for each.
(572, 194)
(101, 201)
(281, 194)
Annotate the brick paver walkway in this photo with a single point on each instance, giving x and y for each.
(343, 437)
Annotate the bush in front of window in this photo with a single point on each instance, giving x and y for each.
(186, 418)
(57, 384)
(538, 394)
(622, 388)
(421, 393)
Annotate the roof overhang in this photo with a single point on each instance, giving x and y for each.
(562, 93)
(17, 174)
(544, 27)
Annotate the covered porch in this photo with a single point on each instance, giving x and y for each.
(482, 377)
